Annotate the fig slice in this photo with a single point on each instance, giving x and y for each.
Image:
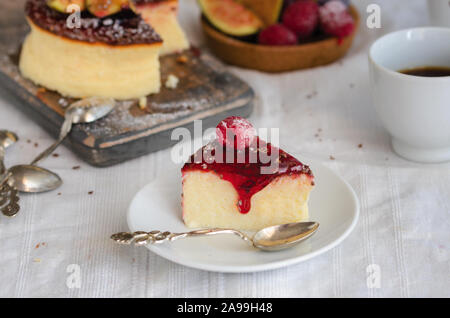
(62, 5)
(103, 8)
(268, 11)
(231, 17)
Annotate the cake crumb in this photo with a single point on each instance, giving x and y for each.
(63, 102)
(38, 245)
(311, 95)
(143, 102)
(332, 158)
(76, 167)
(172, 81)
(37, 260)
(360, 145)
(36, 145)
(55, 155)
(195, 51)
(91, 192)
(182, 59)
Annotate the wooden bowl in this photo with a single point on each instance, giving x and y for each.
(277, 58)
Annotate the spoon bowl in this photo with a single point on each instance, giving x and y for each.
(7, 138)
(278, 237)
(90, 109)
(33, 179)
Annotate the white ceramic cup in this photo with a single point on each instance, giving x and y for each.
(414, 110)
(439, 12)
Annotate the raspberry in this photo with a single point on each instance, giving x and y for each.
(302, 18)
(235, 132)
(277, 34)
(335, 20)
(287, 3)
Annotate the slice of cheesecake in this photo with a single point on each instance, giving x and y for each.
(162, 16)
(241, 194)
(117, 56)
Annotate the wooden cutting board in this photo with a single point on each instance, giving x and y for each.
(206, 92)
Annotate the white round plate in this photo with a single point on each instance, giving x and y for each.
(157, 206)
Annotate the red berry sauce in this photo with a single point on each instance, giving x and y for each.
(246, 177)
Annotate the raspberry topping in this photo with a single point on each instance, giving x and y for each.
(277, 34)
(335, 19)
(302, 18)
(235, 132)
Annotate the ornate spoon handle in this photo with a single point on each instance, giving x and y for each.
(141, 238)
(4, 174)
(2, 164)
(9, 200)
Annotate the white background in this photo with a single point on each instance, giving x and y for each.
(404, 224)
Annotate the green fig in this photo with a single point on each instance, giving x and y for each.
(268, 10)
(231, 17)
(62, 5)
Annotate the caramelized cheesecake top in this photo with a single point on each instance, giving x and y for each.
(246, 174)
(123, 28)
(140, 2)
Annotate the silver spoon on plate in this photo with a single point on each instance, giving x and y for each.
(272, 238)
(30, 178)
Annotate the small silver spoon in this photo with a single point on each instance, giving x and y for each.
(272, 238)
(84, 111)
(33, 179)
(29, 178)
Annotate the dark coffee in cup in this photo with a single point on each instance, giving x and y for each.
(427, 71)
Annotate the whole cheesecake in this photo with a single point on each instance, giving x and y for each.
(242, 194)
(114, 54)
(162, 16)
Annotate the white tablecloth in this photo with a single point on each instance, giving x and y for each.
(405, 207)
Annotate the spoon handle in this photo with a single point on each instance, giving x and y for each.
(65, 129)
(2, 164)
(4, 175)
(9, 201)
(141, 238)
